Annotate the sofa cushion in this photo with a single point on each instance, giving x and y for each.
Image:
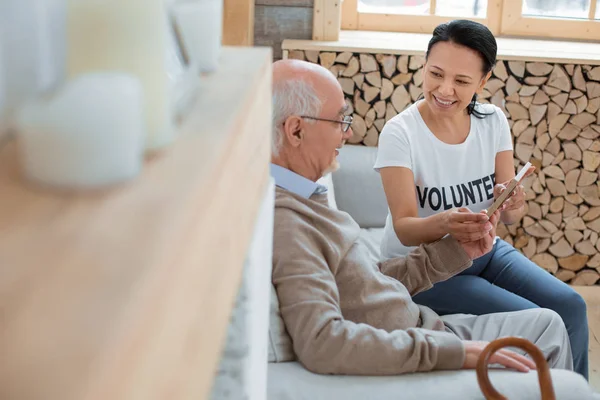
(371, 238)
(291, 381)
(358, 187)
(280, 342)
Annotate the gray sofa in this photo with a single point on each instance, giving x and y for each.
(357, 189)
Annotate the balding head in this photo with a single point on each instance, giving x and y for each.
(289, 70)
(299, 88)
(304, 96)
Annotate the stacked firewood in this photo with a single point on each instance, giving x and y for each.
(553, 111)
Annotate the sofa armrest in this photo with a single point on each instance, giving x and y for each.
(358, 187)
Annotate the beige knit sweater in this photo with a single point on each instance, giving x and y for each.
(347, 315)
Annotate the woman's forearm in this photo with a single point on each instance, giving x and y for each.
(413, 231)
(509, 217)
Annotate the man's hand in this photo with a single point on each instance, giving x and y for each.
(465, 225)
(477, 248)
(504, 357)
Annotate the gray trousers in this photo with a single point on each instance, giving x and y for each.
(540, 326)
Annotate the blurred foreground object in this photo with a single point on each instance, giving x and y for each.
(126, 36)
(200, 24)
(90, 134)
(32, 53)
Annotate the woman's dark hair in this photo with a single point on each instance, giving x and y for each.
(476, 37)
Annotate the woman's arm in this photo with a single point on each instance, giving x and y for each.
(399, 186)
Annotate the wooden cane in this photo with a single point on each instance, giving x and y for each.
(543, 369)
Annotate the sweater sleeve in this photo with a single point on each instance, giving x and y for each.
(323, 340)
(427, 264)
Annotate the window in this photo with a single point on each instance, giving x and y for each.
(568, 19)
(448, 8)
(416, 15)
(560, 19)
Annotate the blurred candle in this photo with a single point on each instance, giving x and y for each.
(200, 24)
(3, 110)
(33, 47)
(90, 134)
(126, 36)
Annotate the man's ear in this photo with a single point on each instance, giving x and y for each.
(484, 81)
(293, 128)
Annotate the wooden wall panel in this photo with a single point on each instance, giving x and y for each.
(274, 23)
(238, 22)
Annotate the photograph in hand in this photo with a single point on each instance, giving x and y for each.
(505, 195)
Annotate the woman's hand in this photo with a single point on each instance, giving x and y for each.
(517, 198)
(465, 225)
(480, 247)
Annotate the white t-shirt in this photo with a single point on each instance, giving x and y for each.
(446, 175)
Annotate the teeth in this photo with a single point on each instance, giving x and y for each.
(446, 103)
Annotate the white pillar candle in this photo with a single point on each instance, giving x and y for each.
(126, 36)
(33, 44)
(185, 81)
(3, 109)
(90, 134)
(200, 24)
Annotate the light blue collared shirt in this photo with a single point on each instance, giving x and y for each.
(289, 180)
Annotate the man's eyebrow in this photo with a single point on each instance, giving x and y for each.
(343, 110)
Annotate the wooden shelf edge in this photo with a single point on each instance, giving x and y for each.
(517, 49)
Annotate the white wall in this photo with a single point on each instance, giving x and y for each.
(242, 372)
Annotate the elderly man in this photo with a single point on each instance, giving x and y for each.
(345, 314)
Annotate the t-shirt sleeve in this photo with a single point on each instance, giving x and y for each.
(393, 149)
(503, 133)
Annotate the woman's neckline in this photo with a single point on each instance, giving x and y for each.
(436, 137)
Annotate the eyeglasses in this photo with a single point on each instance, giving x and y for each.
(346, 122)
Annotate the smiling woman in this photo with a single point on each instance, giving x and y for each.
(442, 162)
(467, 75)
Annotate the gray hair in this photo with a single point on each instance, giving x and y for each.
(292, 97)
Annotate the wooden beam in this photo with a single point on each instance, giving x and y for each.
(350, 14)
(592, 14)
(318, 18)
(238, 22)
(494, 16)
(333, 19)
(327, 20)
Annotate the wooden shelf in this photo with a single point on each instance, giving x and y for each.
(126, 293)
(555, 51)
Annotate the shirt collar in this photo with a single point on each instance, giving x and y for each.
(295, 183)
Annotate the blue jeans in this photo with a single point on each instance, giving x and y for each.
(505, 280)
